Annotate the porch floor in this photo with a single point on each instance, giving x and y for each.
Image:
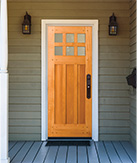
(97, 152)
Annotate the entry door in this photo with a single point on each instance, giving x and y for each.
(69, 92)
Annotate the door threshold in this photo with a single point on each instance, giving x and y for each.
(69, 139)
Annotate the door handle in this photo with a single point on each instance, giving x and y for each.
(88, 86)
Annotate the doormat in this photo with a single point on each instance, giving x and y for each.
(68, 143)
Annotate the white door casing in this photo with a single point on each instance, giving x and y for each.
(44, 71)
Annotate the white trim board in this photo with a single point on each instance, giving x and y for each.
(44, 72)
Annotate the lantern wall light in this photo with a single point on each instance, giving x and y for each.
(113, 26)
(26, 25)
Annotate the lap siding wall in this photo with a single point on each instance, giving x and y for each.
(133, 65)
(25, 65)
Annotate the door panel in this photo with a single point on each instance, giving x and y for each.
(69, 61)
(81, 94)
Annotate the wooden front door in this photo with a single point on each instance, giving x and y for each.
(69, 63)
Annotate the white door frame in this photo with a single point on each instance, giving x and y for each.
(44, 71)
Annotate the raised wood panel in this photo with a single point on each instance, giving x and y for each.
(70, 94)
(81, 94)
(60, 117)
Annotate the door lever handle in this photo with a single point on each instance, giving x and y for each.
(88, 86)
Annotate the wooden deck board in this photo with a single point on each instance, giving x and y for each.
(72, 154)
(52, 154)
(121, 152)
(14, 151)
(102, 152)
(32, 152)
(82, 154)
(112, 153)
(130, 150)
(97, 152)
(42, 153)
(61, 157)
(92, 153)
(22, 153)
(11, 144)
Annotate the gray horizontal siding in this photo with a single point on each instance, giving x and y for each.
(72, 1)
(25, 64)
(132, 65)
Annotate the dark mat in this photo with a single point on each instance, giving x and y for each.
(68, 143)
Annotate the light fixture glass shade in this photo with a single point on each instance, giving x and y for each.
(113, 26)
(26, 25)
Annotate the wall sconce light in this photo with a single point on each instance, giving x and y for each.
(26, 25)
(113, 26)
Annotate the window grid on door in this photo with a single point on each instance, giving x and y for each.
(70, 44)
